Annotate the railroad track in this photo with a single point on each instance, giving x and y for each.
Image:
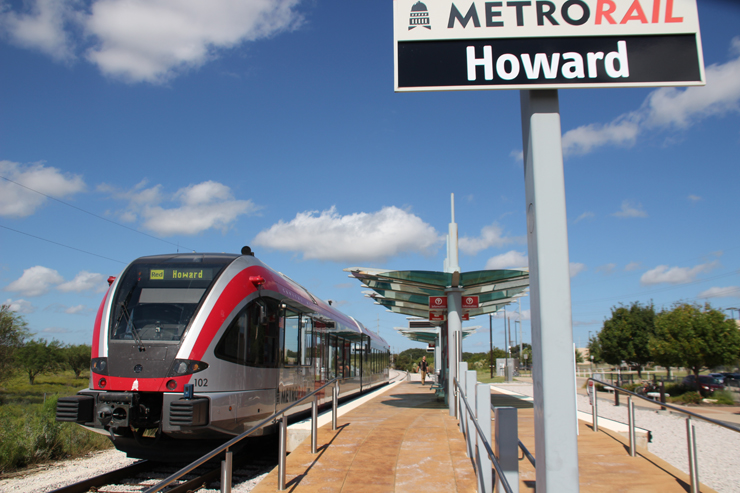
(142, 475)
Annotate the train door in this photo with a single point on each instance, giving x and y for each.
(295, 369)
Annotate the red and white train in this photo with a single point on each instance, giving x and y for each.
(190, 350)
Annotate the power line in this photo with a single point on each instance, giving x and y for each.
(95, 215)
(61, 244)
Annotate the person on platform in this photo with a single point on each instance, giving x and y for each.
(423, 369)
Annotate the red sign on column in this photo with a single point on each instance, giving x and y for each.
(469, 302)
(438, 302)
(465, 316)
(436, 317)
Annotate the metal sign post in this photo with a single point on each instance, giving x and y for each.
(552, 333)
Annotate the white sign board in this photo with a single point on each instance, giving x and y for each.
(546, 44)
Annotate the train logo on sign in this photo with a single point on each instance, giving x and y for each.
(419, 16)
(438, 302)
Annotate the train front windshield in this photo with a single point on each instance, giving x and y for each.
(156, 301)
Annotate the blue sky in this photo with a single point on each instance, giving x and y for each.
(144, 127)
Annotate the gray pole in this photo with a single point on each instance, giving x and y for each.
(552, 333)
(454, 326)
(490, 340)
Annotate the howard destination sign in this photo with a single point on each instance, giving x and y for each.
(538, 44)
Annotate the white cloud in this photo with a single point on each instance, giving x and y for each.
(20, 306)
(728, 292)
(694, 198)
(575, 268)
(203, 206)
(145, 40)
(585, 215)
(41, 26)
(16, 201)
(632, 266)
(85, 281)
(622, 131)
(490, 236)
(606, 269)
(518, 155)
(630, 209)
(509, 260)
(35, 281)
(675, 275)
(664, 109)
(73, 310)
(355, 237)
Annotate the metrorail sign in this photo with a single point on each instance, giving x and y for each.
(546, 44)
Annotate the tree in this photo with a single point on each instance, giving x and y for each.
(694, 338)
(594, 349)
(579, 356)
(13, 331)
(78, 358)
(39, 356)
(626, 335)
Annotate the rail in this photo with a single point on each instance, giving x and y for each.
(690, 431)
(226, 463)
(484, 439)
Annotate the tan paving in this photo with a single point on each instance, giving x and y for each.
(404, 441)
(604, 463)
(394, 443)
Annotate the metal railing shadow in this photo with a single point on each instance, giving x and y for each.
(690, 430)
(226, 472)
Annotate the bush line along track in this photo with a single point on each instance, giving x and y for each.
(146, 471)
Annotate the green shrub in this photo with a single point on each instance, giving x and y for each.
(724, 397)
(692, 397)
(31, 435)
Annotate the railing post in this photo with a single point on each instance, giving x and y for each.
(595, 409)
(631, 418)
(314, 423)
(334, 399)
(281, 455)
(483, 415)
(226, 472)
(462, 373)
(507, 446)
(470, 381)
(693, 466)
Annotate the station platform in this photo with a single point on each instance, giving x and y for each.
(404, 440)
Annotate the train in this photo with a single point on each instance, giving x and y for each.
(192, 349)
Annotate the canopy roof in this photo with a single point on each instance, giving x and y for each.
(408, 292)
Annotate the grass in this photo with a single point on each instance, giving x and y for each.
(484, 376)
(29, 433)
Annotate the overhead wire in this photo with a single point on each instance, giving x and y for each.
(62, 244)
(94, 215)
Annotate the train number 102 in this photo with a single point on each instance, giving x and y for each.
(200, 382)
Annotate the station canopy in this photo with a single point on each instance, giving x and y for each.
(421, 330)
(408, 292)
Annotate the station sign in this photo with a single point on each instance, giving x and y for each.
(438, 302)
(437, 317)
(469, 302)
(546, 44)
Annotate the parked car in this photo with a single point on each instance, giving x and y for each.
(718, 376)
(731, 379)
(706, 383)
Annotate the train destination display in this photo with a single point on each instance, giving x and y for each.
(538, 44)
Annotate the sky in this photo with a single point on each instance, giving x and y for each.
(142, 127)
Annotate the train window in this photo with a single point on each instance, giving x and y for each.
(291, 348)
(307, 341)
(251, 338)
(155, 300)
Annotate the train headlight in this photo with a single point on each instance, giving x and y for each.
(99, 366)
(182, 367)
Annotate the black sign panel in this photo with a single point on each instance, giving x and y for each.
(552, 62)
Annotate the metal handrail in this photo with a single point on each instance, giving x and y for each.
(172, 478)
(664, 404)
(527, 454)
(690, 432)
(484, 439)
